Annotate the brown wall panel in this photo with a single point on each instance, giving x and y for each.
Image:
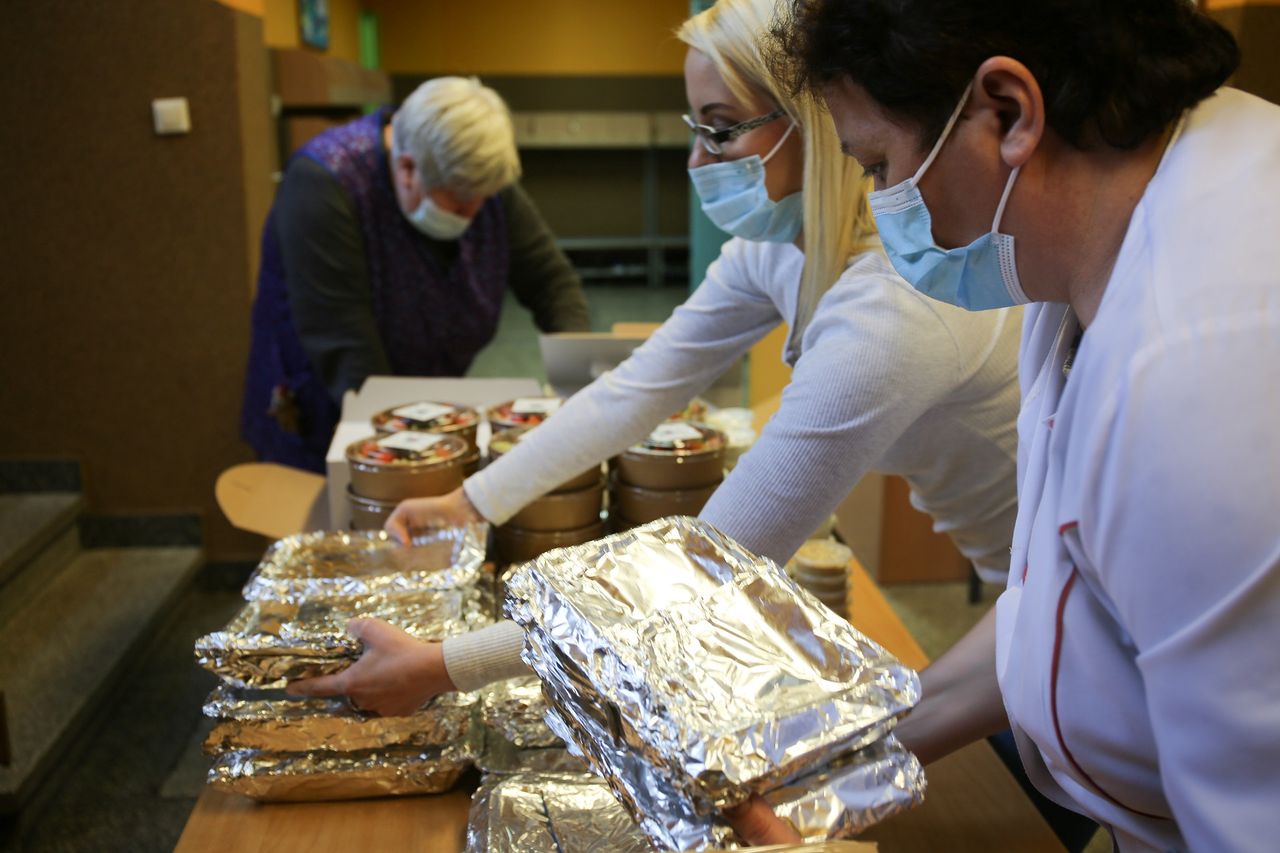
(910, 550)
(1256, 27)
(125, 255)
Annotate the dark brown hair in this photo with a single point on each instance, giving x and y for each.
(1115, 71)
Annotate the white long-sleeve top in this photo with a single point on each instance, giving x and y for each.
(1138, 642)
(886, 380)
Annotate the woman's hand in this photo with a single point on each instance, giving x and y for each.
(756, 824)
(395, 676)
(451, 510)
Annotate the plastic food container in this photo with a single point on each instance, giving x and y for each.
(471, 462)
(523, 412)
(676, 455)
(640, 506)
(429, 416)
(503, 442)
(406, 464)
(367, 513)
(517, 546)
(563, 510)
(695, 411)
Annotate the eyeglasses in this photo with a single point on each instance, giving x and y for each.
(713, 139)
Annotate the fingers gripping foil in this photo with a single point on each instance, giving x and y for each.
(270, 643)
(692, 673)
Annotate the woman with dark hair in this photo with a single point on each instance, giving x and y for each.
(1134, 652)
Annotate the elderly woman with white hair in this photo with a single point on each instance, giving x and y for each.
(391, 244)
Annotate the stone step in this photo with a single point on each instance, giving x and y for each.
(63, 650)
(29, 523)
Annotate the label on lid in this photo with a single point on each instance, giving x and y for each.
(414, 442)
(423, 412)
(535, 405)
(670, 433)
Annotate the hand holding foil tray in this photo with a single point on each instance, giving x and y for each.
(311, 566)
(692, 673)
(270, 643)
(564, 813)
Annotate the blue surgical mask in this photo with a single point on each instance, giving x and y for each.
(436, 222)
(734, 197)
(978, 276)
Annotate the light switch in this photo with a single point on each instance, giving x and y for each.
(171, 115)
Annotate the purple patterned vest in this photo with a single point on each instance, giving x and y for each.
(432, 320)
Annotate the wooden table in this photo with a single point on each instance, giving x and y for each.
(973, 804)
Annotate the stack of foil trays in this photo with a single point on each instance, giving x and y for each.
(550, 813)
(517, 738)
(691, 674)
(271, 746)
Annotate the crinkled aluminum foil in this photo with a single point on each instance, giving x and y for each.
(266, 660)
(270, 643)
(856, 792)
(309, 566)
(502, 757)
(692, 673)
(516, 709)
(292, 776)
(550, 813)
(274, 721)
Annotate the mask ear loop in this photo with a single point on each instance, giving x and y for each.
(1004, 199)
(774, 149)
(946, 131)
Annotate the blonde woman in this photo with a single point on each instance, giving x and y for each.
(885, 379)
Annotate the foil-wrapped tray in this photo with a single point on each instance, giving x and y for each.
(321, 775)
(854, 793)
(692, 673)
(502, 757)
(274, 721)
(310, 566)
(516, 709)
(270, 643)
(550, 813)
(531, 810)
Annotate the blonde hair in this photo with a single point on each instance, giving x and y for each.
(459, 134)
(837, 217)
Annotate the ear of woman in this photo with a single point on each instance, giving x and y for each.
(1008, 95)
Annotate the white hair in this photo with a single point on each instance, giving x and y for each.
(459, 133)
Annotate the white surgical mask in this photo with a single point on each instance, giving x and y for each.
(436, 222)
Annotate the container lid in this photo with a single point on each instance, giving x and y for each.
(408, 447)
(503, 441)
(680, 438)
(525, 411)
(695, 411)
(425, 415)
(823, 554)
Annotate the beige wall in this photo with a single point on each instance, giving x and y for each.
(530, 36)
(126, 255)
(280, 19)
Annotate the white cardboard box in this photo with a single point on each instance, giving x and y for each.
(386, 392)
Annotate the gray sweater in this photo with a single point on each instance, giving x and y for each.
(887, 380)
